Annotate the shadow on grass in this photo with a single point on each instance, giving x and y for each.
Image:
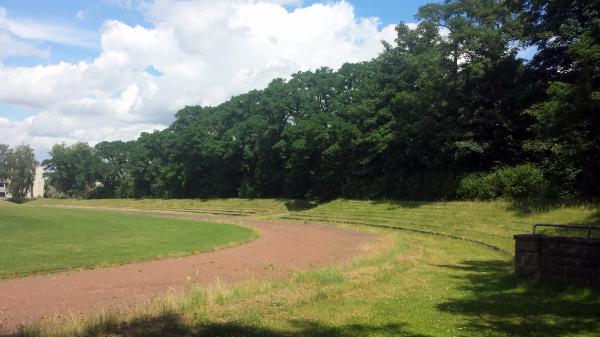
(18, 201)
(174, 325)
(304, 328)
(496, 301)
(297, 205)
(529, 206)
(396, 204)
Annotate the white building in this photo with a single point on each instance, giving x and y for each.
(3, 189)
(38, 183)
(38, 186)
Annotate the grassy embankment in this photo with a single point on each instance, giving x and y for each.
(225, 207)
(40, 239)
(411, 284)
(492, 223)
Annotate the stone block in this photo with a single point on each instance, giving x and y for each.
(527, 258)
(527, 271)
(587, 263)
(553, 270)
(570, 249)
(527, 245)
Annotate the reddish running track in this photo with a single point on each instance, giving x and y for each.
(280, 249)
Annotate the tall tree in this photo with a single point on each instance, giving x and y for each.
(112, 169)
(21, 171)
(72, 170)
(567, 120)
(5, 150)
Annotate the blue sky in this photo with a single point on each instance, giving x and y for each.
(88, 16)
(85, 15)
(388, 11)
(60, 84)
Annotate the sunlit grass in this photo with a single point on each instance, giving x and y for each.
(490, 222)
(410, 284)
(236, 207)
(41, 239)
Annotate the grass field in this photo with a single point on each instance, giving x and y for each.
(490, 222)
(410, 284)
(40, 239)
(232, 207)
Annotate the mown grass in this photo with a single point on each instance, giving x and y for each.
(492, 222)
(41, 239)
(234, 207)
(410, 285)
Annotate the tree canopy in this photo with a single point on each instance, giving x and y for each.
(449, 99)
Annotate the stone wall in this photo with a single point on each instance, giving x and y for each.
(558, 259)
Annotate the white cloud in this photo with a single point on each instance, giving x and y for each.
(130, 4)
(12, 46)
(9, 46)
(204, 51)
(43, 31)
(81, 14)
(52, 33)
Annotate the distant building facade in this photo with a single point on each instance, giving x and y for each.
(4, 189)
(38, 186)
(38, 183)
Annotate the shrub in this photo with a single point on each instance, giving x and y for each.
(478, 186)
(521, 182)
(516, 182)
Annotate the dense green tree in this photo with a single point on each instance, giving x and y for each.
(5, 150)
(21, 165)
(72, 170)
(113, 167)
(567, 120)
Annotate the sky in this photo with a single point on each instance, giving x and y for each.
(110, 69)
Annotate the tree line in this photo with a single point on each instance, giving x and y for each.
(448, 110)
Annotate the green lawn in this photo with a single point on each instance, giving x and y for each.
(41, 239)
(410, 284)
(492, 222)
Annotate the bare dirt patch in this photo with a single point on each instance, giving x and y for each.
(281, 249)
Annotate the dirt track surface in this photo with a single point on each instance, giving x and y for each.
(281, 249)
